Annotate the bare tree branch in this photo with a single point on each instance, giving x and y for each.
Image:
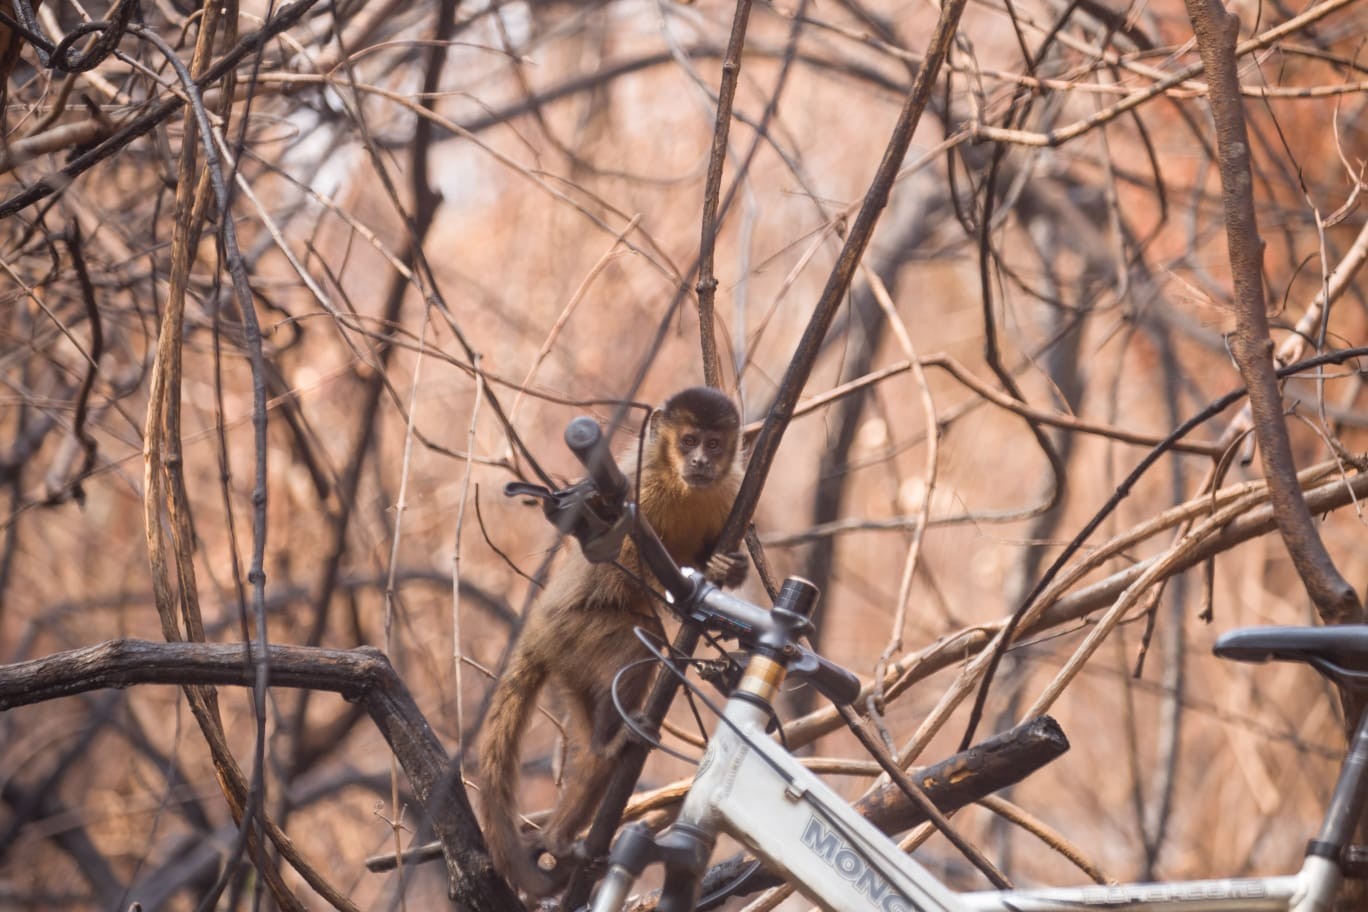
(361, 675)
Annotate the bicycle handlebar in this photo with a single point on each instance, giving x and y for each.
(693, 598)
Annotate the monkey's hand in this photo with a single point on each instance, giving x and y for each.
(727, 568)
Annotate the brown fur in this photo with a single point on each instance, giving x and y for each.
(580, 631)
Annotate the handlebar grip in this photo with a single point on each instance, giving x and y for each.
(585, 439)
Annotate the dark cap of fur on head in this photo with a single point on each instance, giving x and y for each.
(704, 406)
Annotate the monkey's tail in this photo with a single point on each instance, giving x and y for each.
(510, 708)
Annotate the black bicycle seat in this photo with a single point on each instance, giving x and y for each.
(1340, 651)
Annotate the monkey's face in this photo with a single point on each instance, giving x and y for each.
(704, 455)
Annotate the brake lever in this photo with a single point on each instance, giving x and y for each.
(579, 510)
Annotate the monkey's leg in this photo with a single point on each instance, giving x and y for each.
(559, 830)
(595, 757)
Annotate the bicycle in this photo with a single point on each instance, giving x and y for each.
(750, 788)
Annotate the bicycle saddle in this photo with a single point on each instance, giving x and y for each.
(1339, 651)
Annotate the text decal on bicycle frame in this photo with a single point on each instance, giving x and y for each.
(837, 854)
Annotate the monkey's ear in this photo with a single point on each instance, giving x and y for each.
(653, 424)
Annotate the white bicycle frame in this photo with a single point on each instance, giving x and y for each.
(750, 788)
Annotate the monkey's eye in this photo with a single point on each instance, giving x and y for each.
(689, 440)
(714, 443)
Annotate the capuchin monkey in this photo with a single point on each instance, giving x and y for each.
(579, 632)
